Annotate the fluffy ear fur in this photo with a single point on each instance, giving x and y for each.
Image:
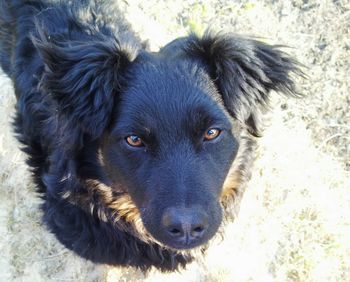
(245, 71)
(83, 78)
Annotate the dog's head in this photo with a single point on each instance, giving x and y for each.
(168, 123)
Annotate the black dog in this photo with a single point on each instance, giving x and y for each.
(138, 156)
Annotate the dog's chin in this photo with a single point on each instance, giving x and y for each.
(178, 246)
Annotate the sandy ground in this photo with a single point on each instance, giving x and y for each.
(294, 223)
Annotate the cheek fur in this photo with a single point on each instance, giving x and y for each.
(238, 175)
(129, 167)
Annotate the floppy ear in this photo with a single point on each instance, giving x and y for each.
(245, 71)
(83, 78)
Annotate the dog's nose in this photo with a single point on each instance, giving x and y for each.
(186, 226)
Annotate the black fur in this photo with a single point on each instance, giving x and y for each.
(84, 82)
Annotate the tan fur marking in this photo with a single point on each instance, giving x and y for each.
(120, 207)
(126, 208)
(238, 176)
(231, 186)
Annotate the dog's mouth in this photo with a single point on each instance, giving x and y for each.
(184, 243)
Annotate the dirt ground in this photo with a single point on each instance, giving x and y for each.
(294, 223)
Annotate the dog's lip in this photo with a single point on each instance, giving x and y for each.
(188, 245)
(180, 244)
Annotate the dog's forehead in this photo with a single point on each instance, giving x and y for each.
(169, 92)
(165, 77)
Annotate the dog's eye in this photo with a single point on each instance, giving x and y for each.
(211, 134)
(134, 141)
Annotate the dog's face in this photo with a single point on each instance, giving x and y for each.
(172, 143)
(168, 123)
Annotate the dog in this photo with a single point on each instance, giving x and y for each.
(140, 157)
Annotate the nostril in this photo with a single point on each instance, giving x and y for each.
(197, 231)
(175, 231)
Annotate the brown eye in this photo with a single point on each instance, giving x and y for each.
(211, 134)
(134, 141)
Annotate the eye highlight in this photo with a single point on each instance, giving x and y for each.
(211, 134)
(134, 141)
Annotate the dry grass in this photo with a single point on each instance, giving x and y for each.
(294, 223)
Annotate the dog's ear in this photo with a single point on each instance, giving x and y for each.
(83, 78)
(244, 71)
